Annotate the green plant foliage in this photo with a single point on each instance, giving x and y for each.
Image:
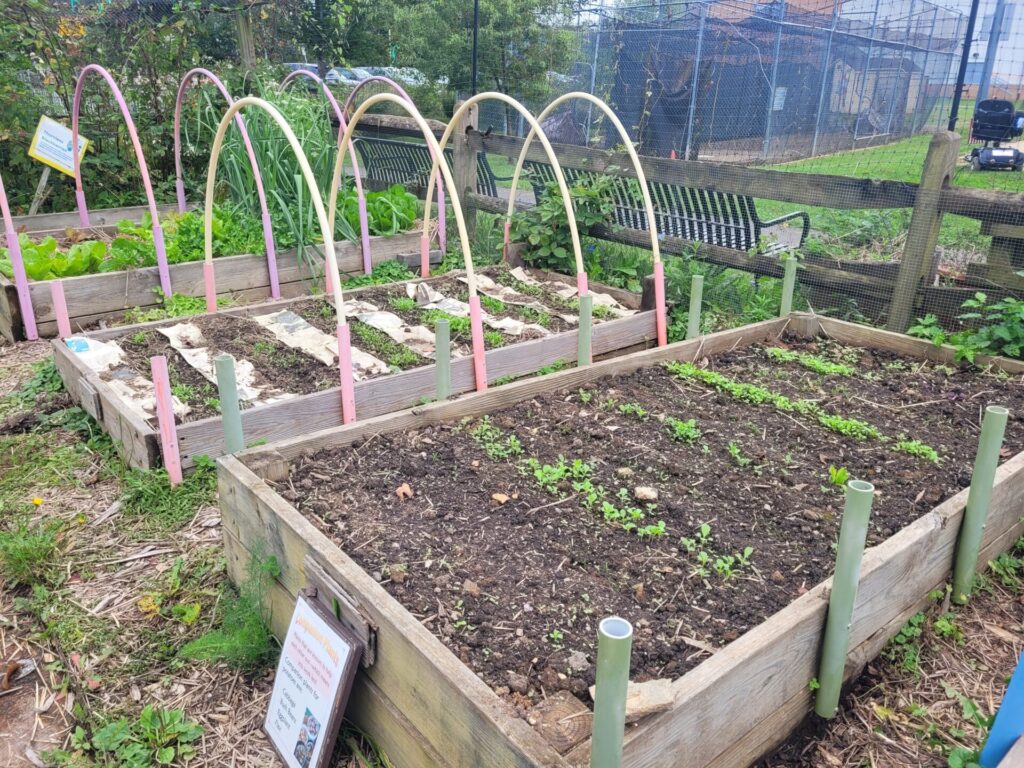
(905, 647)
(494, 442)
(155, 737)
(918, 449)
(991, 328)
(682, 431)
(810, 362)
(150, 499)
(27, 550)
(243, 639)
(392, 271)
(838, 476)
(388, 212)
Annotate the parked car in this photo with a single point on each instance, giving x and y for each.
(294, 66)
(343, 76)
(404, 75)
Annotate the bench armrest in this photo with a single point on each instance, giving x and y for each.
(789, 217)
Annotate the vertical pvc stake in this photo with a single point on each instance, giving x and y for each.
(696, 299)
(165, 419)
(161, 258)
(584, 354)
(348, 394)
(476, 326)
(507, 241)
(268, 242)
(424, 256)
(179, 188)
(210, 287)
(660, 320)
(852, 535)
(60, 308)
(230, 412)
(788, 284)
(614, 643)
(363, 216)
(28, 314)
(443, 359)
(975, 515)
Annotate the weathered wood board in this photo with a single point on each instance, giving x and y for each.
(245, 278)
(426, 708)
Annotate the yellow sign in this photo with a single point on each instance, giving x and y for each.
(51, 145)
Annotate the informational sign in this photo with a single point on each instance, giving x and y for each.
(779, 99)
(314, 679)
(52, 145)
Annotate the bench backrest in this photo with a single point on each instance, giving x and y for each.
(689, 213)
(388, 161)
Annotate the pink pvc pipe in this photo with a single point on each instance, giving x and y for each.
(28, 315)
(659, 302)
(165, 418)
(60, 308)
(364, 224)
(476, 327)
(442, 235)
(83, 211)
(179, 184)
(348, 397)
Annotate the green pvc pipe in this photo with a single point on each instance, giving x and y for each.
(614, 643)
(443, 359)
(975, 515)
(696, 297)
(583, 349)
(788, 284)
(230, 412)
(852, 535)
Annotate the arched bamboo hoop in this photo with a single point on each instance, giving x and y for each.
(83, 211)
(475, 313)
(179, 184)
(659, 269)
(343, 332)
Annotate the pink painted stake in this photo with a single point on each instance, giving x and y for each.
(268, 241)
(365, 235)
(179, 188)
(211, 287)
(476, 325)
(582, 287)
(424, 256)
(659, 303)
(83, 210)
(348, 396)
(60, 308)
(28, 315)
(442, 232)
(161, 258)
(165, 419)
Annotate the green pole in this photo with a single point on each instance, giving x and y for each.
(614, 643)
(443, 359)
(975, 515)
(230, 413)
(788, 284)
(696, 297)
(853, 534)
(583, 350)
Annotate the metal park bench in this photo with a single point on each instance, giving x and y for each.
(388, 161)
(701, 215)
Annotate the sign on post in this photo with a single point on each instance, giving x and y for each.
(51, 145)
(313, 682)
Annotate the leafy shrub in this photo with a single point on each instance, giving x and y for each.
(995, 328)
(388, 212)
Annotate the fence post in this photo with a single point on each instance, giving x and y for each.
(923, 233)
(464, 165)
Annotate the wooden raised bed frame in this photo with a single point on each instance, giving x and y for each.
(245, 278)
(426, 708)
(140, 445)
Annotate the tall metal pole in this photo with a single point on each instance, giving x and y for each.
(695, 80)
(771, 87)
(899, 72)
(962, 72)
(991, 50)
(864, 73)
(924, 72)
(476, 32)
(593, 65)
(826, 76)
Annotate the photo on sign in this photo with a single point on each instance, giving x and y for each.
(306, 743)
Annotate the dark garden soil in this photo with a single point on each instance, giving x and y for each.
(514, 577)
(276, 364)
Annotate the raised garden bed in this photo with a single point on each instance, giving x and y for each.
(480, 593)
(100, 218)
(292, 389)
(241, 279)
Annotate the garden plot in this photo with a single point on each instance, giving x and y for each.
(701, 500)
(286, 354)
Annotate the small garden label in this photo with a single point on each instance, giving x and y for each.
(51, 145)
(313, 682)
